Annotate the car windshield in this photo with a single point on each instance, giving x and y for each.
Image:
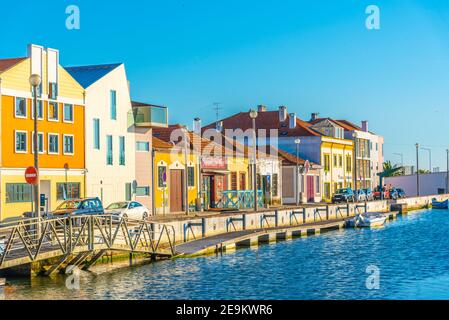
(117, 205)
(70, 204)
(342, 191)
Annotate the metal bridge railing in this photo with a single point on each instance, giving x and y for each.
(29, 240)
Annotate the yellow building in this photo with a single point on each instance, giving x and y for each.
(169, 178)
(60, 132)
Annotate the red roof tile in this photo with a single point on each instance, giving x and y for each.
(6, 64)
(266, 120)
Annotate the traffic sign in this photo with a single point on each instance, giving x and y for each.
(31, 175)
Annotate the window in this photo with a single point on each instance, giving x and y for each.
(335, 160)
(233, 180)
(317, 185)
(142, 191)
(53, 111)
(68, 112)
(68, 191)
(275, 184)
(68, 144)
(21, 108)
(122, 151)
(52, 91)
(53, 143)
(326, 162)
(340, 161)
(21, 141)
(40, 142)
(40, 110)
(18, 192)
(348, 163)
(128, 191)
(142, 146)
(113, 105)
(109, 157)
(97, 134)
(190, 176)
(162, 176)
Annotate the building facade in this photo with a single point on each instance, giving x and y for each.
(61, 112)
(110, 138)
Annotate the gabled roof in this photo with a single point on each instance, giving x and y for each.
(267, 120)
(6, 64)
(87, 75)
(345, 124)
(159, 144)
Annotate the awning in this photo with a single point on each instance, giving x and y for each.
(216, 171)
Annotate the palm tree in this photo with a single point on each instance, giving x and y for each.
(390, 170)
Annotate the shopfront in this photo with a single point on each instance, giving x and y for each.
(214, 177)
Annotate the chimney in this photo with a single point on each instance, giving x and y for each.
(314, 116)
(219, 126)
(197, 126)
(282, 113)
(261, 108)
(365, 125)
(292, 122)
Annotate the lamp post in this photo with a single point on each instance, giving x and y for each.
(417, 169)
(355, 161)
(253, 116)
(447, 171)
(35, 81)
(297, 142)
(430, 157)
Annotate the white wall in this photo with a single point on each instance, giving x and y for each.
(428, 183)
(101, 177)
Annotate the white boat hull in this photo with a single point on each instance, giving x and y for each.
(367, 220)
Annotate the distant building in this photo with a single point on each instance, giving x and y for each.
(368, 146)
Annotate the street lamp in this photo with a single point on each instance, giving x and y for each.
(447, 171)
(354, 134)
(35, 81)
(297, 142)
(430, 157)
(417, 169)
(253, 116)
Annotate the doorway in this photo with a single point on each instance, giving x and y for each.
(310, 189)
(45, 188)
(176, 190)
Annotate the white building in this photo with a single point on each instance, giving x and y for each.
(429, 184)
(368, 148)
(109, 137)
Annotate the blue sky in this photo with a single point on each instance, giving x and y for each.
(312, 56)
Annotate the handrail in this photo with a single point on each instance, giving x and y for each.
(29, 239)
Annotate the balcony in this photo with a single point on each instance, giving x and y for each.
(150, 116)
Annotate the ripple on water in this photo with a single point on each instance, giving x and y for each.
(411, 254)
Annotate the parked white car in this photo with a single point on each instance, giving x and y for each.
(128, 210)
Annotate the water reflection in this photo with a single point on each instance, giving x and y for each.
(411, 254)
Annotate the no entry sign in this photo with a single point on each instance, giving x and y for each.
(31, 175)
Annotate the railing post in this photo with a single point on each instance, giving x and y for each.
(276, 218)
(203, 227)
(70, 234)
(244, 221)
(304, 215)
(347, 210)
(327, 212)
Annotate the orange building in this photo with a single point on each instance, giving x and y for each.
(60, 132)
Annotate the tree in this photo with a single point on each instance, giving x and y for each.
(390, 170)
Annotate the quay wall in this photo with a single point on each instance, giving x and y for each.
(187, 229)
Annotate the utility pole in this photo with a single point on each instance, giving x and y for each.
(417, 169)
(297, 142)
(253, 116)
(217, 109)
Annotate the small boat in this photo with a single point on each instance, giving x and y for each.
(440, 204)
(367, 220)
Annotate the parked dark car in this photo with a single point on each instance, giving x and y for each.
(88, 206)
(369, 194)
(343, 195)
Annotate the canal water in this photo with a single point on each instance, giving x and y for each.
(406, 259)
